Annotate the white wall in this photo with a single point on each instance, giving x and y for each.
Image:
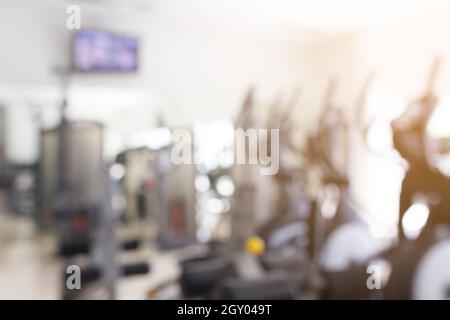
(193, 68)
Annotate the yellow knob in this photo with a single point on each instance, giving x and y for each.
(255, 245)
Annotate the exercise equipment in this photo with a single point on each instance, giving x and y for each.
(420, 261)
(18, 180)
(229, 271)
(100, 273)
(287, 234)
(416, 268)
(290, 240)
(175, 198)
(342, 240)
(3, 137)
(82, 215)
(137, 167)
(20, 185)
(76, 200)
(81, 194)
(158, 189)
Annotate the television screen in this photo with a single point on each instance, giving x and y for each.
(104, 51)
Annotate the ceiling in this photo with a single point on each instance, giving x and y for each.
(321, 15)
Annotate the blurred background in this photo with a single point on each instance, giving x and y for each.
(91, 93)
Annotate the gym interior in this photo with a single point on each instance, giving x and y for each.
(193, 149)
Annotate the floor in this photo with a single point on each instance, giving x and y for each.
(29, 268)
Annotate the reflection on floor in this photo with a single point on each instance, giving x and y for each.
(29, 268)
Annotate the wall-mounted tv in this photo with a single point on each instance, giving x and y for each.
(95, 50)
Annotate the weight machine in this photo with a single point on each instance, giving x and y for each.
(76, 199)
(175, 199)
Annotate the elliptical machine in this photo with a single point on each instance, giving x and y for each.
(342, 242)
(421, 261)
(417, 267)
(287, 234)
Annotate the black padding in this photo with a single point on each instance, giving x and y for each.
(72, 248)
(350, 284)
(135, 268)
(270, 287)
(131, 244)
(200, 275)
